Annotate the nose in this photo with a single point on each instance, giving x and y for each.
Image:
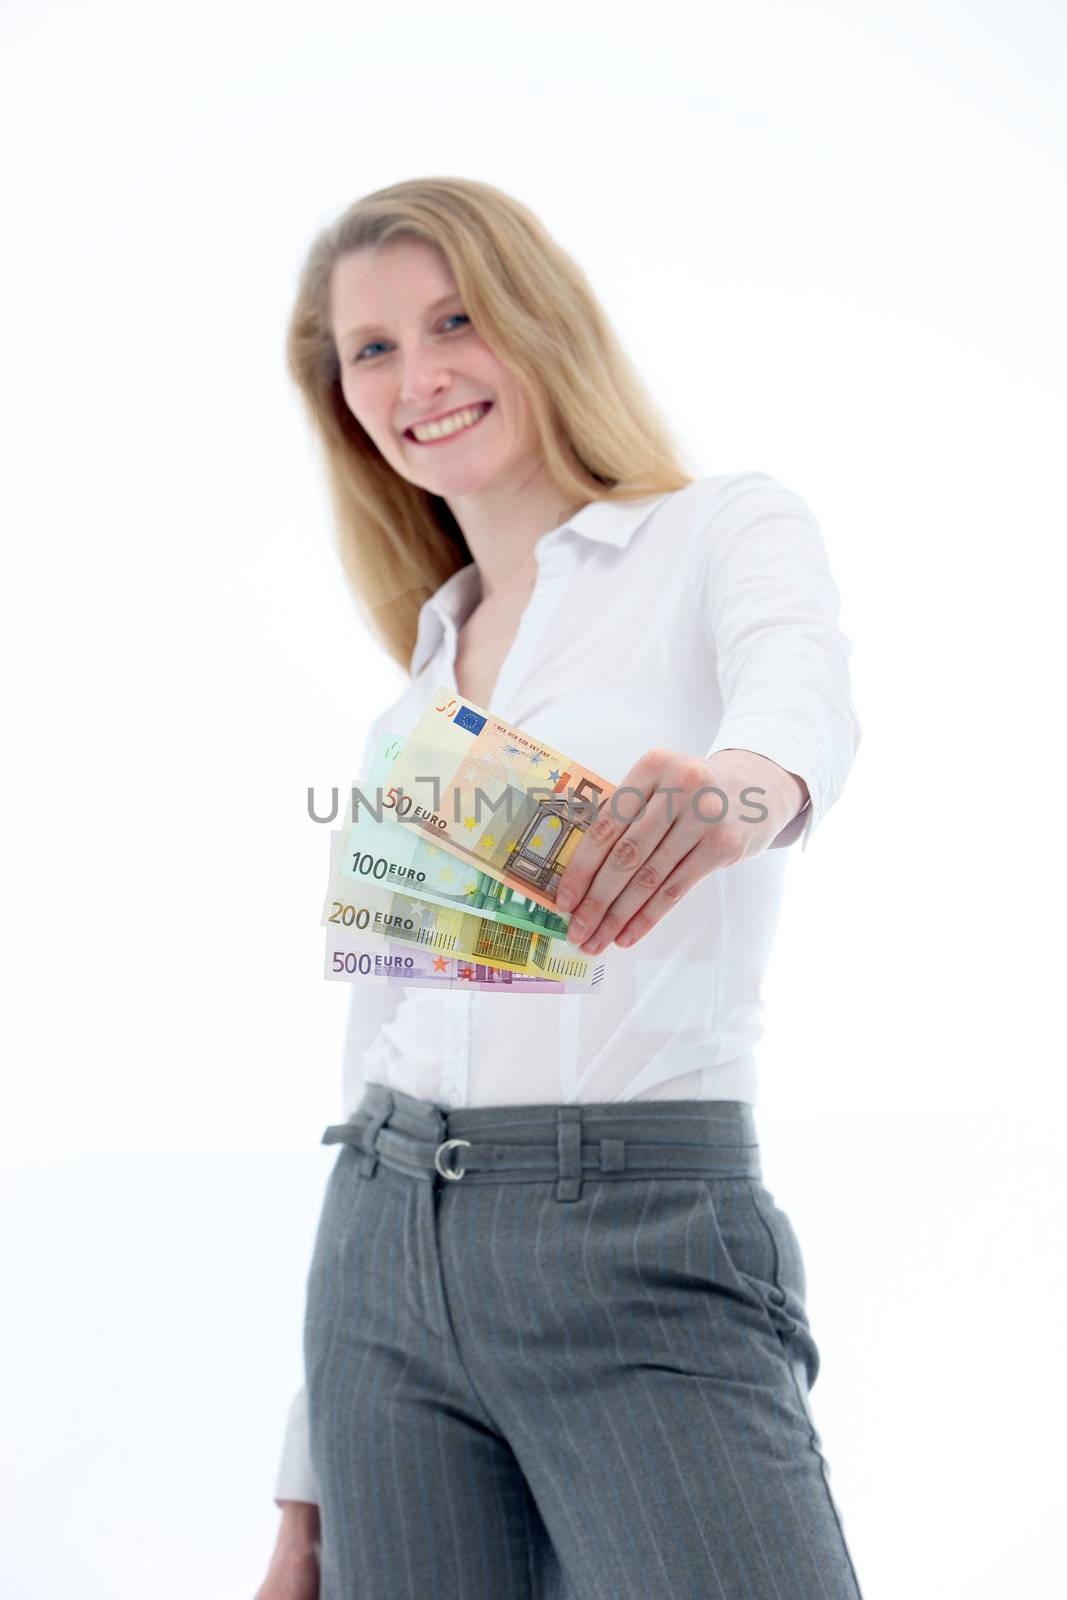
(423, 376)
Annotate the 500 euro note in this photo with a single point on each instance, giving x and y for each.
(352, 958)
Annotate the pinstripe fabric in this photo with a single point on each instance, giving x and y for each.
(578, 1371)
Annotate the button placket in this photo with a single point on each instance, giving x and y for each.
(555, 568)
(556, 563)
(455, 1069)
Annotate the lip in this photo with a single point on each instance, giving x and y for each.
(444, 415)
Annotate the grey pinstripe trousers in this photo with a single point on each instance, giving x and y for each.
(561, 1353)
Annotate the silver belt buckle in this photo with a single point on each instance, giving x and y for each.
(447, 1145)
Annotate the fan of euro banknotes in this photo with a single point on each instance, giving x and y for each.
(446, 869)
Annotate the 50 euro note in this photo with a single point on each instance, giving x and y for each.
(370, 913)
(493, 796)
(379, 853)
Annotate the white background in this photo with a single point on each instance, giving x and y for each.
(830, 236)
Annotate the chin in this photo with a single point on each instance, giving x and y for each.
(463, 479)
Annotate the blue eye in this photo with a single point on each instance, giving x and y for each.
(451, 318)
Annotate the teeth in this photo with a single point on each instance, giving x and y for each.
(462, 419)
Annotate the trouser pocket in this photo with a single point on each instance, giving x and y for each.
(758, 1247)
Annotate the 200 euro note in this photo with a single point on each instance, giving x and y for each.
(494, 796)
(374, 913)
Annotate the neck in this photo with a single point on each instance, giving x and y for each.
(502, 525)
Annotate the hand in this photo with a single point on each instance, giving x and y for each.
(651, 844)
(293, 1573)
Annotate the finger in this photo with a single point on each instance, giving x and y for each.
(689, 870)
(642, 887)
(625, 858)
(626, 802)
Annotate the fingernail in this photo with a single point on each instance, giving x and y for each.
(576, 931)
(565, 899)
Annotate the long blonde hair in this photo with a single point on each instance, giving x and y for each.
(600, 433)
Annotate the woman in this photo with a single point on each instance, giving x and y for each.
(568, 1356)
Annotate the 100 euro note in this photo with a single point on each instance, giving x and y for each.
(495, 797)
(379, 852)
(370, 914)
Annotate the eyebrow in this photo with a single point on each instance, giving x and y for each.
(373, 327)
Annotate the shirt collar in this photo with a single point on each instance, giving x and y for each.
(602, 521)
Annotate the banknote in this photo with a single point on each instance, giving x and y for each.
(351, 958)
(376, 913)
(496, 797)
(378, 851)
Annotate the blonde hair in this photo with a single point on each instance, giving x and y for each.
(600, 434)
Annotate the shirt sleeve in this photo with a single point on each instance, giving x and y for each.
(772, 610)
(295, 1478)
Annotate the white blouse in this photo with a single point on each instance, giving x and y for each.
(701, 620)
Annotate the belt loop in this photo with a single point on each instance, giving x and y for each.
(612, 1155)
(569, 1141)
(368, 1161)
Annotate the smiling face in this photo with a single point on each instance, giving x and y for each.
(409, 355)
